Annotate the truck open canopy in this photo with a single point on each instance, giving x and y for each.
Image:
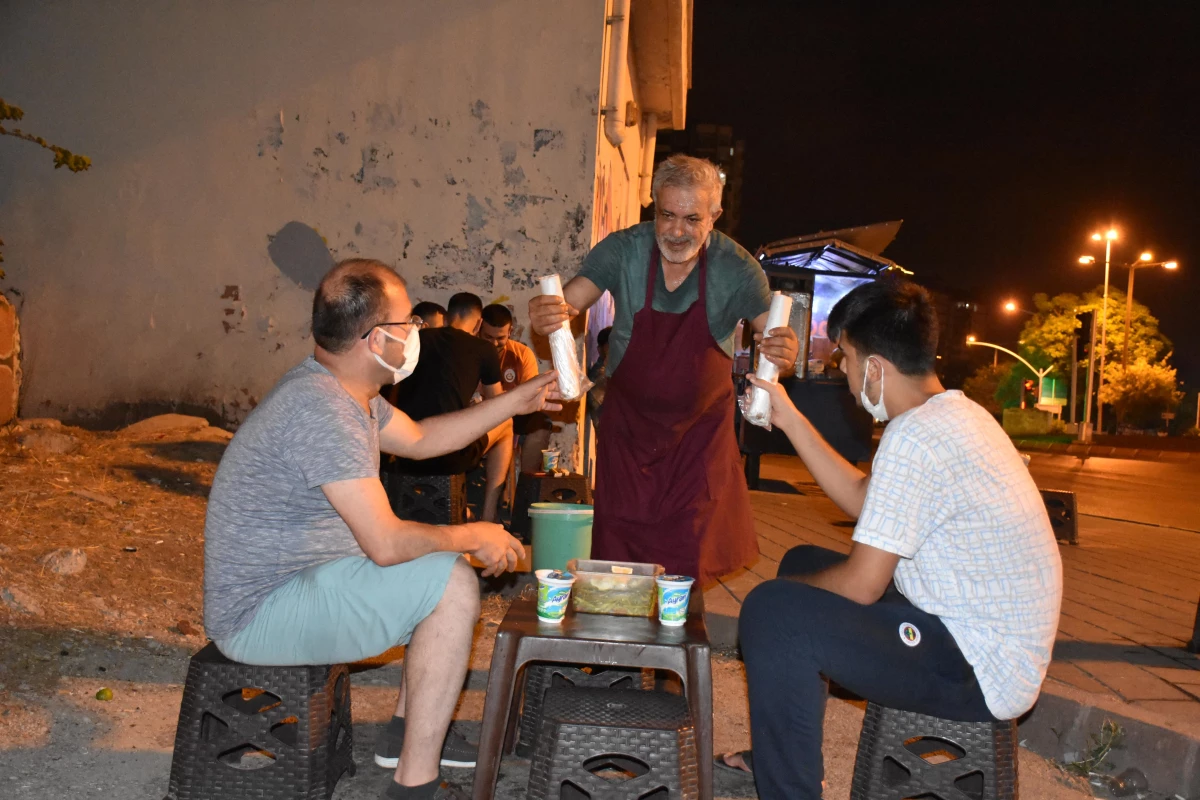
(846, 251)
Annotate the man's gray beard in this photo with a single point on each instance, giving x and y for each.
(662, 250)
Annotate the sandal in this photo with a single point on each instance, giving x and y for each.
(747, 759)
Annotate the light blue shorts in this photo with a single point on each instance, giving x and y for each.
(341, 611)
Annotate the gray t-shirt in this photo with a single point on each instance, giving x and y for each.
(737, 285)
(267, 516)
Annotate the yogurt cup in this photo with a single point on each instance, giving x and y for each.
(554, 590)
(674, 591)
(549, 460)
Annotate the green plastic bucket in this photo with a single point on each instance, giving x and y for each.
(561, 531)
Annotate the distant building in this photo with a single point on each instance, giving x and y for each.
(957, 319)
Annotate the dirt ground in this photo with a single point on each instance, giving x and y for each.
(133, 506)
(132, 503)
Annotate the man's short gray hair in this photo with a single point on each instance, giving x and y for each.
(688, 172)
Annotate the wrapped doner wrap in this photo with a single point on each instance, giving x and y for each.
(758, 410)
(572, 382)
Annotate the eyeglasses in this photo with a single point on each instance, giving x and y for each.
(416, 323)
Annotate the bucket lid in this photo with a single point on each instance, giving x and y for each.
(571, 509)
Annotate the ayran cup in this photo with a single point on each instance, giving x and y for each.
(674, 591)
(554, 590)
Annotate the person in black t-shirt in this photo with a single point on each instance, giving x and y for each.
(453, 363)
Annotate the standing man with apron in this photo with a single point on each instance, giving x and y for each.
(669, 482)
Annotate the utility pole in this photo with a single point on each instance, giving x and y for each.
(1108, 240)
(1074, 378)
(1085, 432)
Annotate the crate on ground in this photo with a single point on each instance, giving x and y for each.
(435, 499)
(1063, 512)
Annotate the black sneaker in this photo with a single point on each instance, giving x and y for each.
(456, 751)
(444, 791)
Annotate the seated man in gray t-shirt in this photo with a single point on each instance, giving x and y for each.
(304, 561)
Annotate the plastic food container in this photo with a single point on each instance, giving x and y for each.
(619, 588)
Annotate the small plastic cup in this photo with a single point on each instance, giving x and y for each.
(674, 591)
(549, 460)
(554, 590)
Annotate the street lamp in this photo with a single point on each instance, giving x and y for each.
(1041, 373)
(1012, 308)
(1146, 259)
(1108, 238)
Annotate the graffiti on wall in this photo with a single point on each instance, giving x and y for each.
(607, 213)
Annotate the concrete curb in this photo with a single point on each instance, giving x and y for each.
(1106, 451)
(1059, 725)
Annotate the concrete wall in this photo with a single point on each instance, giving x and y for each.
(240, 148)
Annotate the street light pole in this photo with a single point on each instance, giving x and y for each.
(1108, 240)
(1134, 267)
(1041, 373)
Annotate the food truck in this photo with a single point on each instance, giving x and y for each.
(816, 271)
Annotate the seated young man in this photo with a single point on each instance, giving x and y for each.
(456, 362)
(518, 364)
(304, 561)
(948, 602)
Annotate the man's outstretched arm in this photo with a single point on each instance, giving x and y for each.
(845, 483)
(447, 433)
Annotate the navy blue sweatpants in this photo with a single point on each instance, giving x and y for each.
(796, 636)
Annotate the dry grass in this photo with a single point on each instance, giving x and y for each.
(134, 506)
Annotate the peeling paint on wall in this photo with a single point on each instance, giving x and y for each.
(474, 176)
(375, 163)
(544, 137)
(273, 138)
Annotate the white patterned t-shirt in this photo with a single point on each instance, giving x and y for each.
(950, 495)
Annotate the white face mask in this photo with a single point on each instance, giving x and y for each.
(876, 410)
(412, 353)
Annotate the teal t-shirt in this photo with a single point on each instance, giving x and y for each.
(737, 285)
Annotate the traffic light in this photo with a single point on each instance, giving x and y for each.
(1027, 385)
(1083, 336)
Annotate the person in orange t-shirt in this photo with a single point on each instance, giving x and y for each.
(517, 365)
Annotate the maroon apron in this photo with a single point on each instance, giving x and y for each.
(669, 482)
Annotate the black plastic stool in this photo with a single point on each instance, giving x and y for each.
(541, 677)
(1061, 508)
(434, 499)
(608, 744)
(904, 754)
(267, 733)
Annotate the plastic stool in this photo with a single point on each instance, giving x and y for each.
(434, 499)
(904, 754)
(261, 732)
(1061, 507)
(614, 745)
(541, 677)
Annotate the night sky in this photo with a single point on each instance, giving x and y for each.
(1002, 134)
